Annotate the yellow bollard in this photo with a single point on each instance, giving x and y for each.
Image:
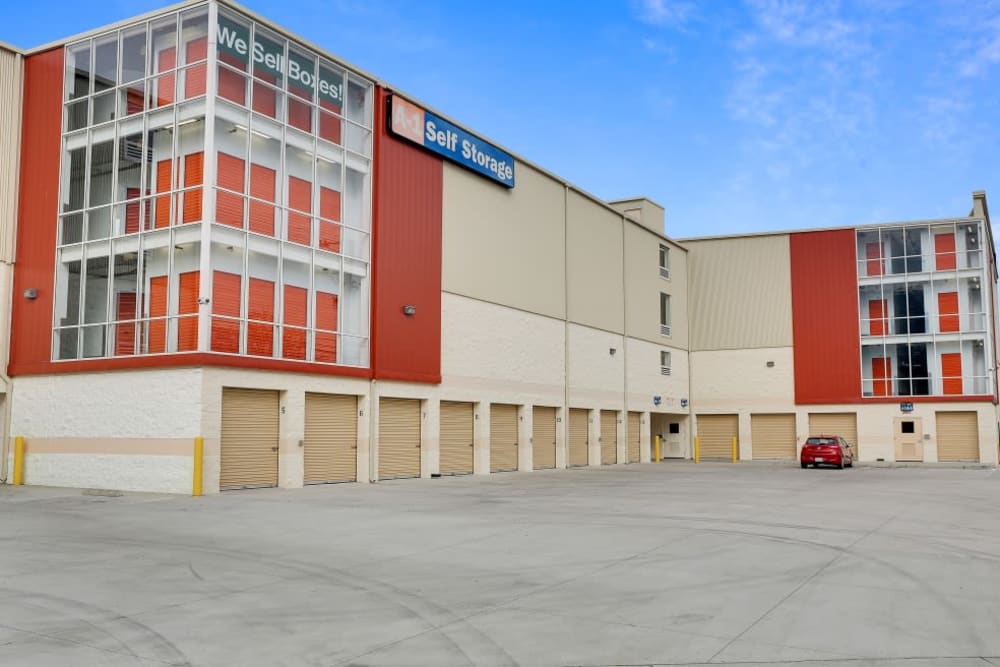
(19, 460)
(736, 450)
(657, 450)
(199, 459)
(697, 449)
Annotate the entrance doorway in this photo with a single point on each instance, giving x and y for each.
(908, 438)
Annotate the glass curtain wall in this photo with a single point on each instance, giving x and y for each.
(923, 318)
(215, 196)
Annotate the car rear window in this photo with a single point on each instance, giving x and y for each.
(821, 441)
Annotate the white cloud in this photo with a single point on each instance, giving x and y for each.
(985, 49)
(669, 13)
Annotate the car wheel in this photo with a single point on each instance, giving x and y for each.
(840, 466)
(804, 465)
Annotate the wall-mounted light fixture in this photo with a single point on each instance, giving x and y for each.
(770, 364)
(31, 293)
(612, 351)
(409, 310)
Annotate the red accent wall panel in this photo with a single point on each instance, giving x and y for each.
(31, 330)
(827, 348)
(407, 258)
(951, 372)
(944, 252)
(260, 337)
(293, 341)
(948, 312)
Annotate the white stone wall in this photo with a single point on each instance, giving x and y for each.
(596, 377)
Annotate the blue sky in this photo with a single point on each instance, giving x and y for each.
(737, 116)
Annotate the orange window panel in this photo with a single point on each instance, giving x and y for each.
(299, 198)
(948, 312)
(164, 174)
(875, 263)
(166, 84)
(293, 340)
(232, 85)
(329, 126)
(194, 77)
(265, 100)
(225, 301)
(194, 175)
(299, 114)
(125, 306)
(187, 308)
(329, 209)
(134, 100)
(881, 376)
(944, 251)
(877, 324)
(326, 318)
(260, 337)
(229, 206)
(262, 186)
(951, 372)
(157, 309)
(132, 222)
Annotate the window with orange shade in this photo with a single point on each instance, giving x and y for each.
(951, 372)
(164, 173)
(187, 308)
(944, 252)
(125, 313)
(226, 302)
(262, 186)
(876, 263)
(157, 341)
(329, 210)
(194, 76)
(877, 317)
(260, 331)
(194, 175)
(299, 199)
(166, 60)
(229, 205)
(326, 319)
(293, 339)
(948, 312)
(881, 376)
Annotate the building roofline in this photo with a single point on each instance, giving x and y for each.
(10, 47)
(271, 25)
(870, 225)
(622, 200)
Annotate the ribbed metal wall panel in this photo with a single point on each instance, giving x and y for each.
(740, 293)
(11, 94)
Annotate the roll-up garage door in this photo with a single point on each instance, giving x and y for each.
(634, 434)
(503, 437)
(579, 437)
(957, 436)
(456, 438)
(249, 438)
(715, 435)
(844, 424)
(773, 436)
(398, 438)
(609, 437)
(331, 438)
(543, 438)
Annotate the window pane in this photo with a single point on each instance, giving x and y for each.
(68, 293)
(106, 62)
(233, 41)
(95, 289)
(76, 115)
(133, 54)
(359, 106)
(101, 162)
(78, 71)
(76, 170)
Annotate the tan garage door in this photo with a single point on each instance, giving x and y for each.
(773, 436)
(331, 440)
(398, 438)
(543, 438)
(456, 438)
(957, 436)
(634, 433)
(579, 437)
(503, 437)
(844, 424)
(715, 435)
(249, 438)
(609, 437)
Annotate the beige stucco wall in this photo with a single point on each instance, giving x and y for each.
(644, 285)
(740, 292)
(11, 86)
(727, 380)
(645, 379)
(594, 259)
(505, 246)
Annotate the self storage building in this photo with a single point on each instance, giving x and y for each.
(226, 233)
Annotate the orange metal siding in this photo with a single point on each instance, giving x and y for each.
(187, 307)
(951, 372)
(299, 199)
(827, 348)
(948, 312)
(875, 263)
(944, 251)
(876, 313)
(225, 301)
(293, 341)
(881, 377)
(229, 206)
(407, 258)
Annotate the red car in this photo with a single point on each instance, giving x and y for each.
(827, 450)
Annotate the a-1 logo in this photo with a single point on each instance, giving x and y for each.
(408, 120)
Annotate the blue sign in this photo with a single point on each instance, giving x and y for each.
(657, 400)
(684, 402)
(423, 128)
(906, 407)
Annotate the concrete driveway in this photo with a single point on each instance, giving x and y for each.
(634, 565)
